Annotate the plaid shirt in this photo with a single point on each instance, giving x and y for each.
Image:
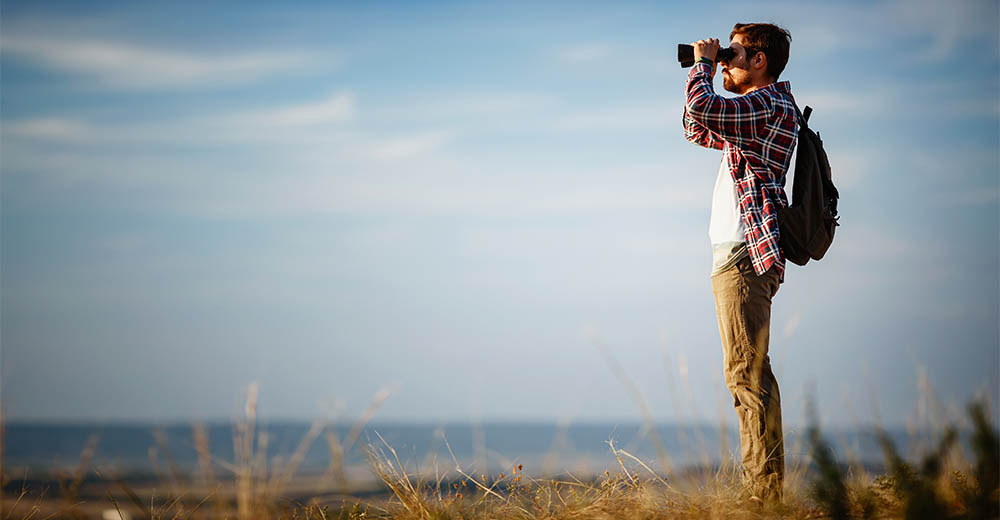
(762, 128)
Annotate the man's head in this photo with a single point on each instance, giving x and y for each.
(761, 55)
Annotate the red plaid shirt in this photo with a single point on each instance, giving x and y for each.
(762, 128)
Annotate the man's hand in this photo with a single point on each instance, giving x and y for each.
(706, 49)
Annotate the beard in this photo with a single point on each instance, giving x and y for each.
(731, 84)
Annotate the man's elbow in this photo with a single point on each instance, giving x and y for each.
(697, 109)
(701, 140)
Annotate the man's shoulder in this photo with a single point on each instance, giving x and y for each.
(779, 95)
(778, 92)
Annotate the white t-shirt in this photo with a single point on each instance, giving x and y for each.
(725, 224)
(725, 229)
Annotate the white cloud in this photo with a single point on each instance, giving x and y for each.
(407, 146)
(630, 117)
(602, 58)
(585, 53)
(954, 98)
(304, 122)
(409, 173)
(938, 27)
(434, 187)
(48, 129)
(132, 66)
(868, 101)
(482, 107)
(945, 24)
(338, 107)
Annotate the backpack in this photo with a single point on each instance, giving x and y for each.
(807, 225)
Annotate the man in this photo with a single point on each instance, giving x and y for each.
(757, 132)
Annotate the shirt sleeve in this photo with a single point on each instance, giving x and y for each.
(738, 120)
(699, 135)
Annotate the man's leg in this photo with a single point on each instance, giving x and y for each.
(743, 305)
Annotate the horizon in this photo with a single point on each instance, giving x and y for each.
(542, 421)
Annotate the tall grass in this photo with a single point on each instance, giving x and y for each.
(941, 483)
(936, 486)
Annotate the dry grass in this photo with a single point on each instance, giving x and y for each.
(942, 483)
(634, 491)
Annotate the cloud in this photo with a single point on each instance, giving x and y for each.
(48, 129)
(584, 53)
(409, 173)
(946, 25)
(601, 58)
(434, 187)
(302, 121)
(629, 117)
(338, 107)
(869, 101)
(482, 108)
(131, 66)
(937, 28)
(954, 98)
(407, 146)
(303, 127)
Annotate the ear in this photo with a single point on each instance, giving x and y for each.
(759, 61)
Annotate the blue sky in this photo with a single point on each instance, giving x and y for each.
(459, 201)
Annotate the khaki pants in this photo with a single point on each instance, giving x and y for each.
(743, 305)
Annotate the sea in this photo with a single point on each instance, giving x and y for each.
(539, 448)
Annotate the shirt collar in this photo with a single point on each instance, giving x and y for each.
(781, 86)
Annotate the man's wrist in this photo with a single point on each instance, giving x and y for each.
(702, 59)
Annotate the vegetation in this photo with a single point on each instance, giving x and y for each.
(926, 490)
(942, 483)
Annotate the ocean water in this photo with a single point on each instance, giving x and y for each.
(542, 448)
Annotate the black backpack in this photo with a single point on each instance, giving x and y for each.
(807, 225)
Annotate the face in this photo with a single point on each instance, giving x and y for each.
(736, 73)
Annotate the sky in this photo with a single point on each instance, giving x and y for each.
(481, 208)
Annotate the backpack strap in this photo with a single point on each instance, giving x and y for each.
(803, 117)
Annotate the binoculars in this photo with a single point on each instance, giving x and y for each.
(685, 54)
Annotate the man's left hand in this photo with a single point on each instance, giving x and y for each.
(706, 49)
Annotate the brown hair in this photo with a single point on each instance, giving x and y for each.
(770, 39)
